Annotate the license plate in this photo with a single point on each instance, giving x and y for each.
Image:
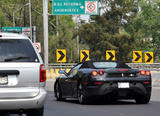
(3, 80)
(123, 85)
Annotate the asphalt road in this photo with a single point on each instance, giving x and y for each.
(120, 108)
(71, 107)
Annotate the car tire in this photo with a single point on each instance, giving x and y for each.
(35, 112)
(58, 93)
(81, 97)
(143, 99)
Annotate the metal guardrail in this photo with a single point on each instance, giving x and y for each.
(154, 66)
(62, 65)
(143, 65)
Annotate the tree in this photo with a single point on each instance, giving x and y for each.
(66, 28)
(145, 27)
(106, 32)
(65, 40)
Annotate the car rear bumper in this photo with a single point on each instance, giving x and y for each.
(135, 89)
(24, 103)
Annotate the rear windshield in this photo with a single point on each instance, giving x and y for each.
(17, 50)
(104, 64)
(109, 65)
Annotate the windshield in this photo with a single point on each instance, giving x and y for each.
(105, 64)
(17, 50)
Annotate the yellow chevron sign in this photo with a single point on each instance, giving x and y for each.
(149, 57)
(110, 55)
(137, 56)
(84, 55)
(61, 55)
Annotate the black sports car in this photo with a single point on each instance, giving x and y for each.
(92, 79)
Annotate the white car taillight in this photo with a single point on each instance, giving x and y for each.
(42, 73)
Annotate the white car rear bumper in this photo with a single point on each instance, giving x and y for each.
(24, 103)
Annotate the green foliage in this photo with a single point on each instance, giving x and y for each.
(65, 40)
(145, 27)
(20, 9)
(2, 20)
(124, 26)
(105, 33)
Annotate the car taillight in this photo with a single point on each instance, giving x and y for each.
(142, 72)
(148, 73)
(100, 72)
(94, 73)
(42, 73)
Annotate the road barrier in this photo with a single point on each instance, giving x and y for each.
(154, 66)
(52, 71)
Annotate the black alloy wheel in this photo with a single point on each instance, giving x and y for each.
(58, 93)
(81, 98)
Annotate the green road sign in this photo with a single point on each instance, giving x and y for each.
(12, 29)
(24, 30)
(73, 7)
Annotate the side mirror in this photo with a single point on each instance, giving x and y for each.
(62, 72)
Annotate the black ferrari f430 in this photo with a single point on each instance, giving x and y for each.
(92, 79)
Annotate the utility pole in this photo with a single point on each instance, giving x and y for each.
(77, 28)
(100, 3)
(13, 20)
(30, 18)
(45, 30)
(57, 34)
(34, 34)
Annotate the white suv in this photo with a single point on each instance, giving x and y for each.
(22, 76)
